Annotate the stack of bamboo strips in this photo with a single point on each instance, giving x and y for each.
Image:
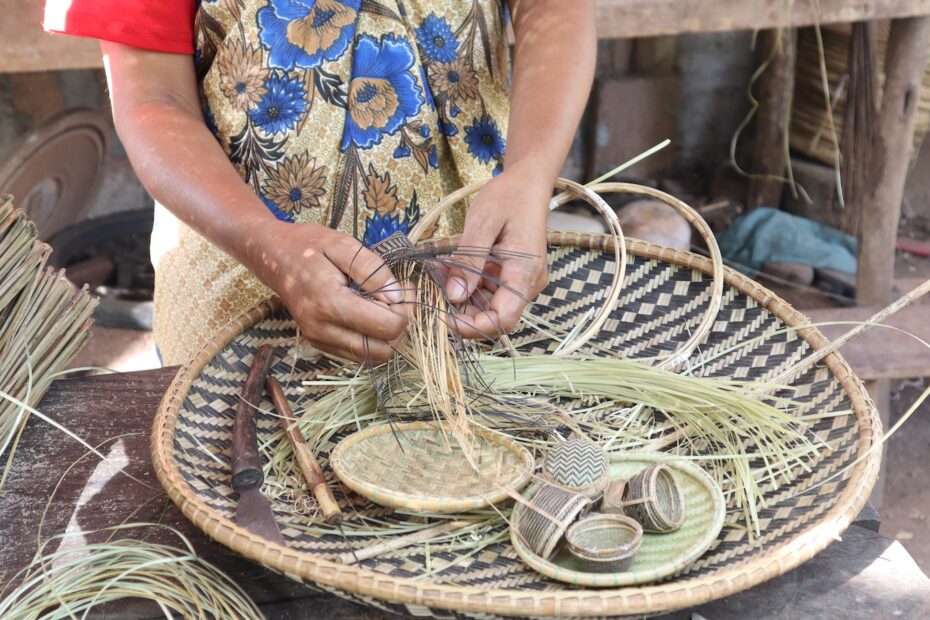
(44, 322)
(810, 127)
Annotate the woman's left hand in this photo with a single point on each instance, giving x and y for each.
(509, 215)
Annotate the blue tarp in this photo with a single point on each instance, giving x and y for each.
(771, 236)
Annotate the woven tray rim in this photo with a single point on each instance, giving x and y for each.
(602, 580)
(624, 601)
(426, 503)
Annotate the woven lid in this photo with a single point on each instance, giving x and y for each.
(576, 464)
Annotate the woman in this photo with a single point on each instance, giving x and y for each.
(304, 130)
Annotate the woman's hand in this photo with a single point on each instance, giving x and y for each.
(311, 267)
(508, 216)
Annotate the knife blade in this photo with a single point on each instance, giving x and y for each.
(253, 511)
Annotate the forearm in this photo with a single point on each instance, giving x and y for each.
(554, 60)
(182, 166)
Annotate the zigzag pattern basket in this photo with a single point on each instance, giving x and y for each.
(662, 301)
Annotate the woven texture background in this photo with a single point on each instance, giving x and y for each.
(663, 299)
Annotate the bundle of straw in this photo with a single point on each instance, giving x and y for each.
(44, 322)
(72, 581)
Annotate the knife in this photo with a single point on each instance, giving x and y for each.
(253, 512)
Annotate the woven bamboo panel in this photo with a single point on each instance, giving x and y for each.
(663, 300)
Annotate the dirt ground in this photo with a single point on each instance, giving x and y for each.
(906, 510)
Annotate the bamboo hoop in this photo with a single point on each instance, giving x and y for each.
(575, 190)
(679, 358)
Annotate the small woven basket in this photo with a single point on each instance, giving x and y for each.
(550, 512)
(579, 465)
(604, 543)
(653, 498)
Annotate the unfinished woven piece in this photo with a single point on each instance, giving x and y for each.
(659, 555)
(419, 467)
(663, 300)
(546, 513)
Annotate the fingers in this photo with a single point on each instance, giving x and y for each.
(466, 269)
(365, 268)
(353, 346)
(500, 314)
(368, 317)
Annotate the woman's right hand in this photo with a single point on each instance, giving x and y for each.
(311, 267)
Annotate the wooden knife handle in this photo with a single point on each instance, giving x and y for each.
(305, 459)
(246, 463)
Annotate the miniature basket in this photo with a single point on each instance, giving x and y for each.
(577, 464)
(661, 304)
(653, 498)
(604, 543)
(420, 467)
(548, 513)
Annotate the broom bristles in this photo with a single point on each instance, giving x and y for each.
(44, 322)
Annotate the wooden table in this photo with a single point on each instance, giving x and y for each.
(863, 571)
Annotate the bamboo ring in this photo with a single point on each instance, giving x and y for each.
(572, 189)
(677, 359)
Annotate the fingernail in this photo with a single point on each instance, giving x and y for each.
(393, 292)
(456, 290)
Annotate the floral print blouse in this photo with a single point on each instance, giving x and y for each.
(356, 114)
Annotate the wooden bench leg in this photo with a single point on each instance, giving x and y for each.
(774, 89)
(891, 156)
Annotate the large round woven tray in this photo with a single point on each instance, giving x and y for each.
(664, 296)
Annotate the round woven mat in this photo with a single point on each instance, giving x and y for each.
(659, 555)
(420, 467)
(663, 298)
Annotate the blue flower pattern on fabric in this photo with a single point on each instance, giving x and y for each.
(436, 40)
(282, 106)
(304, 33)
(484, 139)
(279, 213)
(383, 92)
(381, 226)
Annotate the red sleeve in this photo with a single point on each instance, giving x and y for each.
(158, 25)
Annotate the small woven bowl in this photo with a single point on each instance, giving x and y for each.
(547, 515)
(579, 465)
(605, 543)
(612, 500)
(653, 498)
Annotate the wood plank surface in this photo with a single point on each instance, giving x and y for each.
(24, 46)
(93, 495)
(882, 353)
(643, 18)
